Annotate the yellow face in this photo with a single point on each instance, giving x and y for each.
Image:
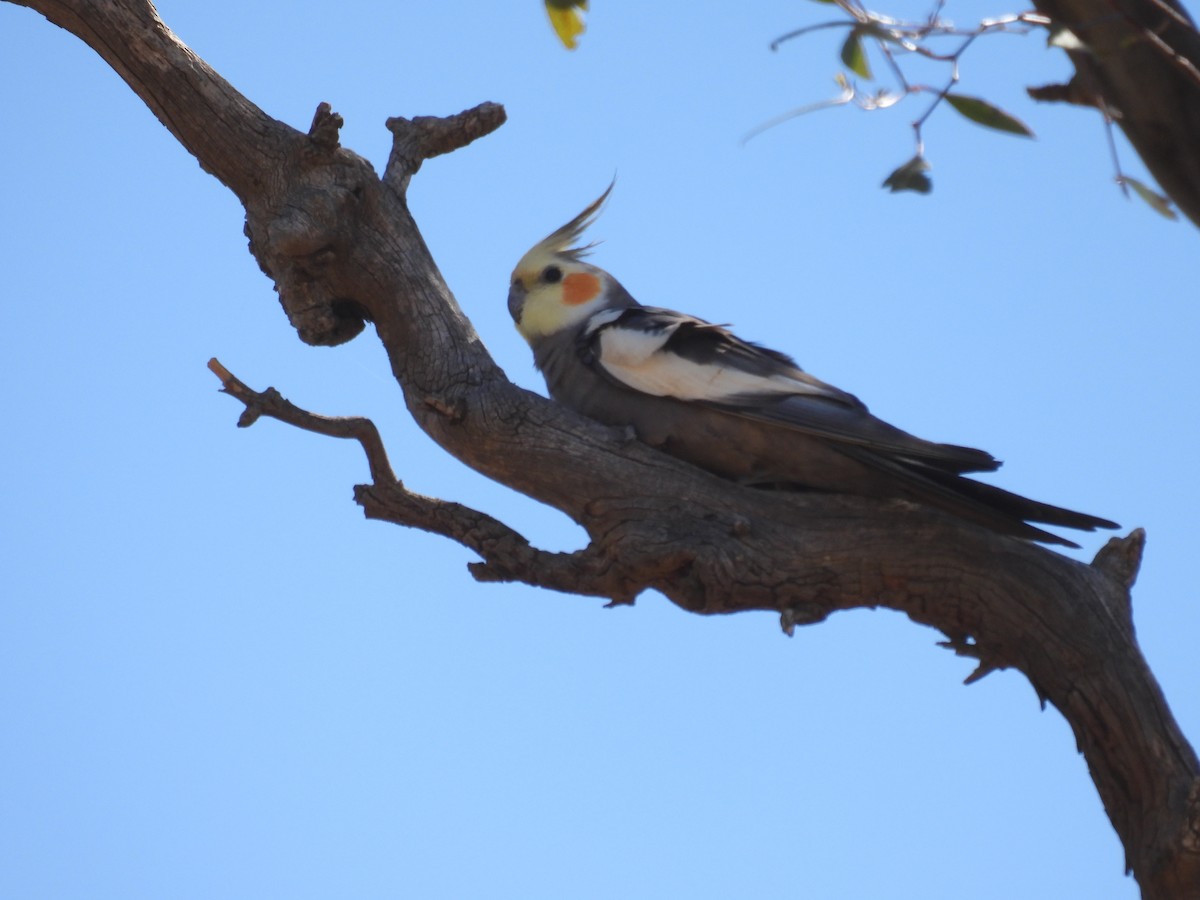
(550, 292)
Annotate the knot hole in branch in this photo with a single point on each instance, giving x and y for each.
(303, 238)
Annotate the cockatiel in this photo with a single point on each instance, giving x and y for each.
(696, 391)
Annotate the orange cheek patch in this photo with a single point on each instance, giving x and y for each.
(580, 287)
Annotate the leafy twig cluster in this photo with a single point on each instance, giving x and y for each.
(939, 41)
(894, 39)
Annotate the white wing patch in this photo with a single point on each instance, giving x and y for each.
(637, 359)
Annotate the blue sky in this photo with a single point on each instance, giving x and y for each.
(218, 680)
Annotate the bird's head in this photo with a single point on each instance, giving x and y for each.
(552, 288)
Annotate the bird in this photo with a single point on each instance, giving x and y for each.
(696, 391)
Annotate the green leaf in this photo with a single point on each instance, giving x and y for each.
(566, 16)
(1156, 201)
(910, 177)
(983, 113)
(854, 56)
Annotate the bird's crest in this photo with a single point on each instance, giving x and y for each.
(559, 243)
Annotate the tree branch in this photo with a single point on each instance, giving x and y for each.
(507, 555)
(422, 138)
(342, 249)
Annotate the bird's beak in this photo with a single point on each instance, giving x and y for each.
(516, 300)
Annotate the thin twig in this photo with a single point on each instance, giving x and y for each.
(808, 29)
(911, 36)
(1180, 62)
(1112, 151)
(843, 98)
(272, 404)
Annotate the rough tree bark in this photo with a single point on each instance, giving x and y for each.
(341, 247)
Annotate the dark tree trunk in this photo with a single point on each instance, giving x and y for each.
(1141, 65)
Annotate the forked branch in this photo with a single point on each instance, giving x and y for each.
(506, 554)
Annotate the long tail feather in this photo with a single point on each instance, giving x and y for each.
(985, 504)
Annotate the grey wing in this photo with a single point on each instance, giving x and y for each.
(665, 353)
(858, 428)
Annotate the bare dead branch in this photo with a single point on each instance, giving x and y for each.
(422, 138)
(1072, 92)
(272, 404)
(507, 555)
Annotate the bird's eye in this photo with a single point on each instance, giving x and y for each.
(551, 274)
